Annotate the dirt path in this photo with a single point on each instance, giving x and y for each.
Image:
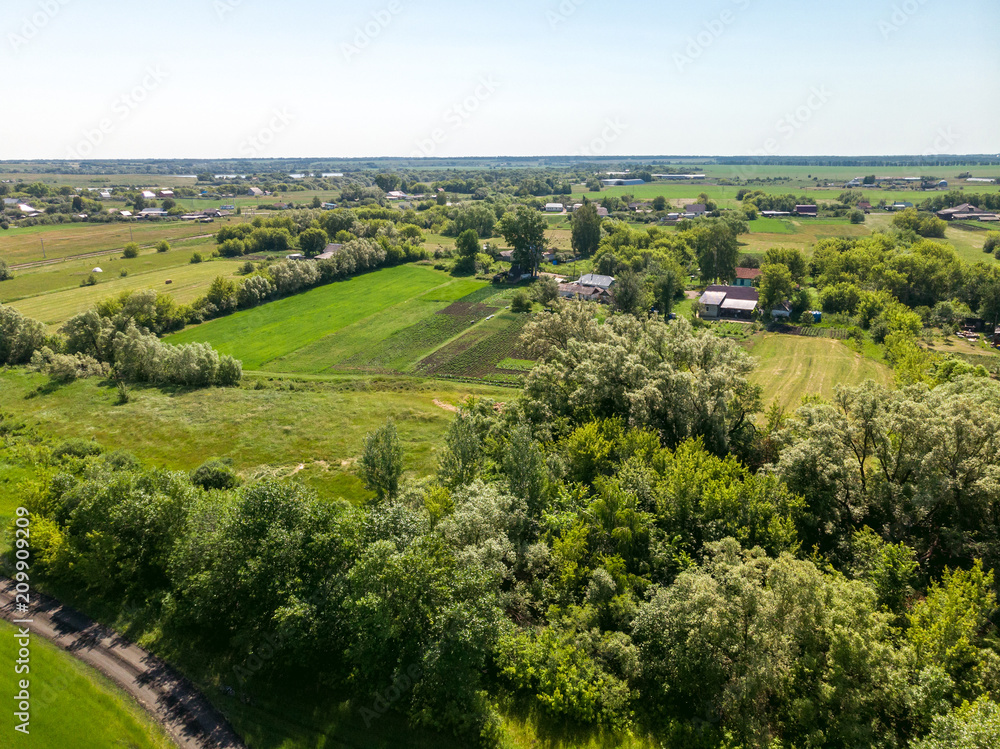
(98, 253)
(166, 695)
(446, 406)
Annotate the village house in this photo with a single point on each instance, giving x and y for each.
(747, 276)
(733, 302)
(807, 210)
(554, 208)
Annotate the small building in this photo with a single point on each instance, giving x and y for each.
(166, 193)
(960, 212)
(865, 206)
(328, 206)
(597, 281)
(807, 210)
(554, 208)
(732, 302)
(255, 192)
(747, 276)
(105, 194)
(328, 253)
(148, 195)
(782, 312)
(602, 211)
(623, 182)
(900, 206)
(152, 213)
(507, 256)
(10, 201)
(395, 195)
(775, 214)
(695, 210)
(585, 293)
(28, 211)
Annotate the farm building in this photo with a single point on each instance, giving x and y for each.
(255, 192)
(148, 195)
(695, 209)
(746, 276)
(775, 214)
(678, 177)
(395, 195)
(981, 180)
(901, 206)
(105, 194)
(963, 211)
(28, 211)
(152, 213)
(782, 312)
(733, 302)
(602, 211)
(329, 252)
(166, 193)
(626, 182)
(807, 210)
(554, 208)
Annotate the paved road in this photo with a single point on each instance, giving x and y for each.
(167, 696)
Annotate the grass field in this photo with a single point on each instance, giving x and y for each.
(188, 282)
(24, 245)
(791, 367)
(72, 705)
(316, 424)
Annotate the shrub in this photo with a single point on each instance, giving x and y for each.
(992, 244)
(215, 474)
(90, 280)
(123, 273)
(857, 217)
(197, 258)
(232, 248)
(163, 246)
(20, 336)
(67, 367)
(131, 251)
(76, 448)
(5, 272)
(520, 302)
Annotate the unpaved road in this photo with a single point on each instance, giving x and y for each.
(167, 696)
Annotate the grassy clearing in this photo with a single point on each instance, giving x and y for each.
(771, 226)
(791, 367)
(24, 245)
(263, 334)
(188, 283)
(317, 424)
(73, 705)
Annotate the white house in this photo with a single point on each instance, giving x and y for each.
(149, 195)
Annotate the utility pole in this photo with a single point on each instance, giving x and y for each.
(43, 248)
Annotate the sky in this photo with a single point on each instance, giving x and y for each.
(304, 78)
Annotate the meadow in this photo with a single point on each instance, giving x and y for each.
(73, 705)
(791, 367)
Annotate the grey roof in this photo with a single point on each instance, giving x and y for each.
(713, 298)
(592, 279)
(737, 292)
(745, 305)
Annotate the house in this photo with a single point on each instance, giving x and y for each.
(148, 195)
(328, 206)
(775, 214)
(395, 195)
(28, 211)
(554, 208)
(900, 206)
(807, 210)
(696, 209)
(596, 281)
(625, 182)
(734, 302)
(329, 252)
(602, 211)
(584, 293)
(865, 206)
(166, 193)
(507, 256)
(747, 276)
(255, 192)
(152, 213)
(105, 194)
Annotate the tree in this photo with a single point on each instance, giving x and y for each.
(546, 290)
(776, 286)
(659, 203)
(629, 294)
(163, 246)
(231, 248)
(467, 244)
(857, 217)
(388, 182)
(131, 251)
(992, 243)
(5, 272)
(790, 257)
(381, 462)
(717, 250)
(169, 203)
(586, 236)
(520, 302)
(313, 241)
(524, 231)
(477, 216)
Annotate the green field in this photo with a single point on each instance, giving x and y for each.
(72, 705)
(316, 424)
(188, 282)
(791, 367)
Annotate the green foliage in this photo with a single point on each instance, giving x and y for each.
(197, 258)
(971, 726)
(586, 233)
(313, 241)
(467, 244)
(20, 336)
(6, 274)
(381, 462)
(520, 302)
(131, 251)
(523, 229)
(926, 225)
(215, 474)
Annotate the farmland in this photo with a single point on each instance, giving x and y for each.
(79, 707)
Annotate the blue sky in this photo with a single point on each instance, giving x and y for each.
(229, 78)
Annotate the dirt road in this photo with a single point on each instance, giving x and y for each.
(166, 695)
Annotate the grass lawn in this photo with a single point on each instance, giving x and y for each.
(771, 226)
(72, 705)
(260, 335)
(316, 424)
(188, 283)
(791, 367)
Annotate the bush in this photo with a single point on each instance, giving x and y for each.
(232, 248)
(67, 367)
(131, 251)
(520, 302)
(197, 258)
(20, 336)
(857, 217)
(5, 272)
(163, 246)
(992, 244)
(123, 273)
(215, 474)
(76, 448)
(90, 280)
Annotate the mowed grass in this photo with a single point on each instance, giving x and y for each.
(273, 330)
(791, 367)
(319, 425)
(24, 245)
(67, 274)
(188, 283)
(72, 704)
